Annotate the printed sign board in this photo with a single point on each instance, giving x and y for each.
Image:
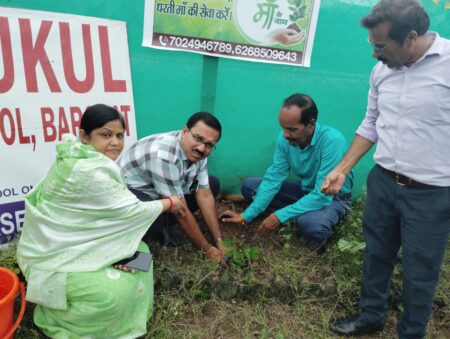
(52, 67)
(275, 31)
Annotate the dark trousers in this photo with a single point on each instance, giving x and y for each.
(315, 225)
(418, 221)
(167, 219)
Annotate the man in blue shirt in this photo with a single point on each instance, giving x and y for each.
(310, 150)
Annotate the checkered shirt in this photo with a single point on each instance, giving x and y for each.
(157, 166)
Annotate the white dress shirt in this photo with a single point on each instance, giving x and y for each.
(408, 116)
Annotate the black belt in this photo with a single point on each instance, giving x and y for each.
(404, 180)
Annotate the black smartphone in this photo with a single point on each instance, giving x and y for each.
(194, 186)
(140, 261)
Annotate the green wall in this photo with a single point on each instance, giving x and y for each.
(169, 86)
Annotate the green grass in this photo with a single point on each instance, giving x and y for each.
(275, 288)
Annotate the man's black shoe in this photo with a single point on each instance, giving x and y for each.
(354, 325)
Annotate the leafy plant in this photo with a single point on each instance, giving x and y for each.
(251, 253)
(352, 246)
(347, 258)
(286, 232)
(241, 257)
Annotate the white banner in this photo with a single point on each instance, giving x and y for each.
(52, 67)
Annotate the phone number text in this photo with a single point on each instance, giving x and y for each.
(227, 48)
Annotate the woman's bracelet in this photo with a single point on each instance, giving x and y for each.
(171, 204)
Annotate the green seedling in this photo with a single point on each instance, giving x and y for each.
(240, 257)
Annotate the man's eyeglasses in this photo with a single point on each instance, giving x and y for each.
(198, 138)
(377, 49)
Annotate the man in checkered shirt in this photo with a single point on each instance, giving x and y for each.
(174, 163)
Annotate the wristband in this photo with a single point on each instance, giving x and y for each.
(242, 219)
(171, 204)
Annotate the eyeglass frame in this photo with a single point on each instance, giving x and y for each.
(199, 139)
(379, 50)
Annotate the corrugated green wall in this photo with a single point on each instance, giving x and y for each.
(168, 86)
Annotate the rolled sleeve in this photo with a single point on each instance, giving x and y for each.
(367, 128)
(274, 177)
(202, 177)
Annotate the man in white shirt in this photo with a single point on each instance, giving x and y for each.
(408, 190)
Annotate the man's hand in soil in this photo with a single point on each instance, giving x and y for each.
(230, 216)
(270, 224)
(223, 248)
(216, 255)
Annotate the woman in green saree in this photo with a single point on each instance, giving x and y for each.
(80, 220)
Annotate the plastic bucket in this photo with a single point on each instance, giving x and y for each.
(9, 287)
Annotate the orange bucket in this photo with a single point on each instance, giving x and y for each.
(9, 287)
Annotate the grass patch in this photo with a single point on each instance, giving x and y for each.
(274, 287)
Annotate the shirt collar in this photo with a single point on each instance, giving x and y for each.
(313, 139)
(315, 135)
(180, 149)
(436, 48)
